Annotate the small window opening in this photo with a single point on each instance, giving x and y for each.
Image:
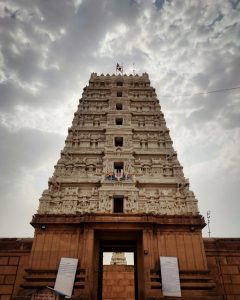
(119, 121)
(119, 106)
(118, 141)
(119, 94)
(118, 204)
(118, 166)
(119, 83)
(102, 83)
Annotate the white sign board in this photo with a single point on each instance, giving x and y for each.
(170, 276)
(65, 276)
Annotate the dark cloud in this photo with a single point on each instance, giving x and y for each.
(12, 14)
(56, 49)
(25, 155)
(11, 94)
(235, 4)
(212, 108)
(159, 4)
(26, 148)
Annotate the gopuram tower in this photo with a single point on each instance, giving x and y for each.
(118, 186)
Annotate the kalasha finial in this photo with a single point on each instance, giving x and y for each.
(119, 69)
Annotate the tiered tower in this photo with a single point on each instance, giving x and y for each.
(118, 186)
(118, 155)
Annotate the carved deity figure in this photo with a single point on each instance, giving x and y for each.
(107, 167)
(128, 167)
(105, 203)
(131, 202)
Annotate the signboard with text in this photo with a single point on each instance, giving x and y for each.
(66, 276)
(170, 276)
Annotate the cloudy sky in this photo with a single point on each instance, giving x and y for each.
(48, 50)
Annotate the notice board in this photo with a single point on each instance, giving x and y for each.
(66, 276)
(170, 276)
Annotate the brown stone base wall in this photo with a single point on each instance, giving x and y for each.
(118, 282)
(14, 258)
(223, 256)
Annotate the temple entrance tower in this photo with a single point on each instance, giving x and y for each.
(118, 258)
(118, 186)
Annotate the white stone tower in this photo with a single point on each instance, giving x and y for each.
(118, 156)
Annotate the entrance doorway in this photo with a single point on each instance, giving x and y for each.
(119, 281)
(118, 276)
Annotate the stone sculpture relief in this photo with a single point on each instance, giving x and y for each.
(105, 202)
(62, 200)
(131, 203)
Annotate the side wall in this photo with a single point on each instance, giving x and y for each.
(223, 258)
(49, 245)
(14, 259)
(188, 246)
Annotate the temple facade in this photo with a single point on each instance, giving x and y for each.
(118, 187)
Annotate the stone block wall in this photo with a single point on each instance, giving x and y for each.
(223, 256)
(14, 258)
(118, 282)
(8, 271)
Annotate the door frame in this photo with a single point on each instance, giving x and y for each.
(118, 241)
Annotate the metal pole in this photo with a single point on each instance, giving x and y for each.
(208, 222)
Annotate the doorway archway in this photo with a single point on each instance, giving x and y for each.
(122, 241)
